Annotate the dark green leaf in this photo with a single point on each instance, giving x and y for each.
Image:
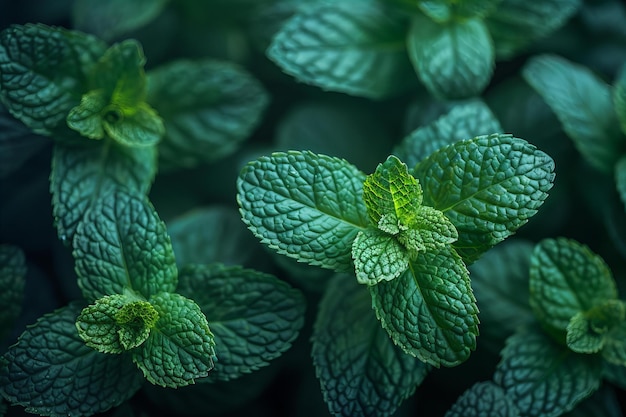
(123, 245)
(615, 374)
(488, 187)
(567, 278)
(180, 348)
(43, 72)
(430, 310)
(254, 316)
(603, 403)
(619, 97)
(12, 283)
(209, 107)
(614, 350)
(483, 399)
(304, 205)
(620, 178)
(582, 102)
(82, 174)
(51, 371)
(544, 379)
(445, 10)
(355, 48)
(453, 59)
(361, 371)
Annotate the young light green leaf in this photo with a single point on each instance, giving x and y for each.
(356, 49)
(431, 230)
(97, 326)
(542, 378)
(139, 127)
(361, 371)
(124, 245)
(430, 310)
(111, 19)
(209, 107)
(51, 371)
(12, 283)
(588, 331)
(567, 278)
(619, 98)
(254, 316)
(516, 24)
(86, 118)
(180, 349)
(488, 187)
(453, 59)
(378, 256)
(304, 205)
(582, 102)
(44, 72)
(463, 121)
(82, 174)
(483, 398)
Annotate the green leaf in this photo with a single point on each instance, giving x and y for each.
(51, 371)
(254, 317)
(588, 331)
(453, 59)
(304, 205)
(43, 72)
(86, 118)
(378, 257)
(356, 49)
(619, 97)
(620, 178)
(361, 371)
(430, 310)
(445, 10)
(209, 108)
(615, 374)
(614, 350)
(483, 398)
(139, 127)
(111, 19)
(180, 349)
(516, 24)
(12, 284)
(463, 121)
(123, 245)
(488, 187)
(582, 103)
(432, 230)
(602, 403)
(567, 278)
(544, 379)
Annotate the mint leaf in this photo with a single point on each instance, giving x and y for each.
(83, 173)
(430, 310)
(51, 371)
(254, 317)
(111, 19)
(620, 178)
(488, 187)
(304, 205)
(544, 379)
(588, 331)
(378, 256)
(582, 102)
(361, 371)
(614, 350)
(602, 403)
(180, 349)
(566, 278)
(619, 97)
(86, 118)
(44, 72)
(140, 126)
(483, 398)
(453, 59)
(445, 10)
(516, 24)
(354, 48)
(12, 283)
(463, 121)
(123, 245)
(209, 107)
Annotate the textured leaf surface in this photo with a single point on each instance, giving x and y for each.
(304, 205)
(354, 48)
(209, 107)
(566, 278)
(378, 257)
(140, 126)
(589, 331)
(43, 72)
(583, 104)
(453, 60)
(51, 371)
(124, 245)
(180, 349)
(430, 310)
(361, 371)
(86, 118)
(482, 399)
(515, 24)
(254, 316)
(12, 284)
(542, 378)
(488, 187)
(463, 121)
(83, 174)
